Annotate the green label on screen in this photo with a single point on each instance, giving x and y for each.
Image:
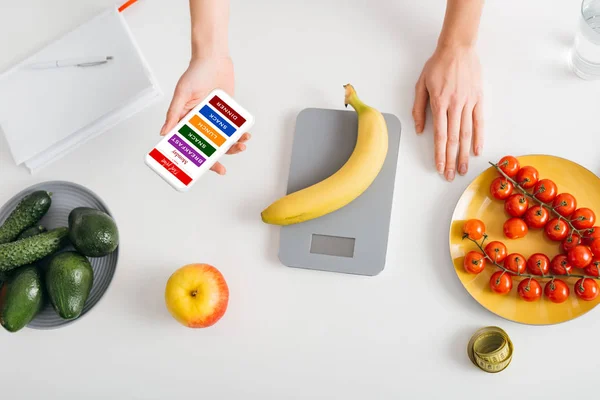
(196, 140)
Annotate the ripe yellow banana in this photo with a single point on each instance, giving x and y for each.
(349, 182)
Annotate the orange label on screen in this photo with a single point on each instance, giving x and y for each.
(207, 130)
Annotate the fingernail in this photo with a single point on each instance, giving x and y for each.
(419, 129)
(478, 150)
(462, 169)
(450, 175)
(242, 147)
(162, 130)
(440, 168)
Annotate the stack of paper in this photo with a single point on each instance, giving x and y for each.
(46, 113)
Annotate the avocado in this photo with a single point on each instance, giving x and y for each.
(93, 232)
(27, 213)
(30, 250)
(21, 298)
(69, 280)
(33, 231)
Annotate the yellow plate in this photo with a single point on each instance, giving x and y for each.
(477, 202)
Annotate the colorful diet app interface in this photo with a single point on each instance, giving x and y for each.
(199, 140)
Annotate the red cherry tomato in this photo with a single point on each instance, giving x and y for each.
(474, 262)
(527, 177)
(474, 229)
(591, 234)
(501, 282)
(545, 190)
(594, 268)
(560, 265)
(515, 228)
(536, 217)
(496, 251)
(501, 188)
(595, 247)
(516, 205)
(538, 264)
(557, 229)
(586, 289)
(516, 263)
(579, 256)
(565, 204)
(583, 218)
(509, 165)
(570, 242)
(556, 291)
(530, 290)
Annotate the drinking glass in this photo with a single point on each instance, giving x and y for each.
(585, 54)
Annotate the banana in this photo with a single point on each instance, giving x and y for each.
(345, 185)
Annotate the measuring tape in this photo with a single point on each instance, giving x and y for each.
(490, 349)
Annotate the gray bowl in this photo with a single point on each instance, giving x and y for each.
(65, 197)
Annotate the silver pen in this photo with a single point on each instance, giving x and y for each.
(73, 62)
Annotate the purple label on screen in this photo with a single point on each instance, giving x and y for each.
(186, 150)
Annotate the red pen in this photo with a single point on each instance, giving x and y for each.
(126, 5)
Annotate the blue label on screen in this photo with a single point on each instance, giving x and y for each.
(217, 120)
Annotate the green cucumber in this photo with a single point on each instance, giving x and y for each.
(27, 213)
(33, 231)
(30, 250)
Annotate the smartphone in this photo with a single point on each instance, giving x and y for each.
(199, 140)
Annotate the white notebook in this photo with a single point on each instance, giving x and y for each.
(46, 113)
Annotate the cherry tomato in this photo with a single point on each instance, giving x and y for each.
(560, 265)
(501, 282)
(515, 228)
(501, 188)
(538, 264)
(474, 262)
(536, 217)
(556, 291)
(516, 205)
(509, 165)
(565, 204)
(586, 289)
(496, 251)
(527, 177)
(594, 268)
(583, 218)
(557, 229)
(515, 262)
(591, 234)
(570, 242)
(530, 290)
(579, 256)
(595, 247)
(545, 190)
(474, 229)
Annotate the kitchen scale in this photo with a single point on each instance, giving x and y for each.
(353, 239)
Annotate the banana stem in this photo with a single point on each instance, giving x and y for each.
(352, 99)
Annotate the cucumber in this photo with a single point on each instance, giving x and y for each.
(30, 250)
(33, 231)
(27, 213)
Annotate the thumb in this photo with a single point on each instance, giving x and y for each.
(174, 113)
(420, 106)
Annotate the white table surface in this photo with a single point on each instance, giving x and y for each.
(289, 333)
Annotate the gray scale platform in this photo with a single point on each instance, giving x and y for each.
(353, 239)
